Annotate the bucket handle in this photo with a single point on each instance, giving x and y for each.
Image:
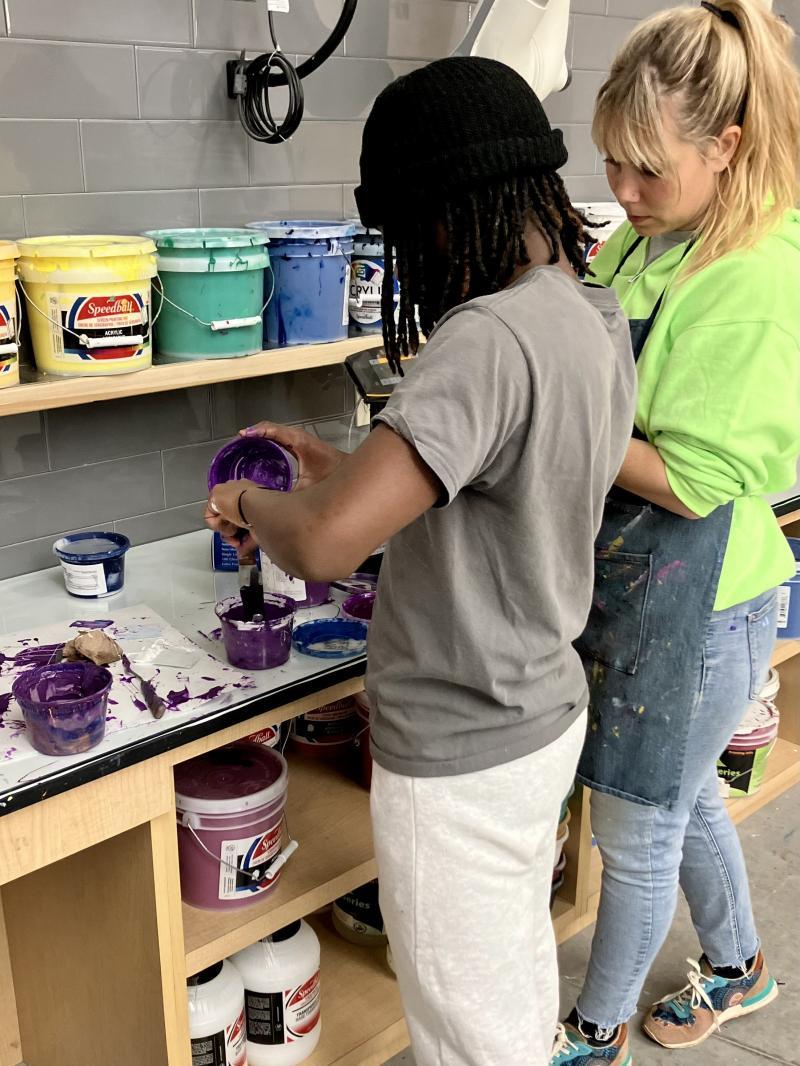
(256, 875)
(220, 324)
(91, 342)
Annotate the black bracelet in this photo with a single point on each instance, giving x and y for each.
(245, 523)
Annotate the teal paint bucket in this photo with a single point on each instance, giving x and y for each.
(210, 300)
(310, 266)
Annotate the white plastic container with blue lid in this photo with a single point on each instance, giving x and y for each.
(93, 563)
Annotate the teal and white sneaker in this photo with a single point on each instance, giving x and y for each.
(690, 1016)
(572, 1049)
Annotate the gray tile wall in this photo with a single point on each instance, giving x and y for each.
(113, 117)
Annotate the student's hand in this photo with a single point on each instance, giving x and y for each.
(316, 459)
(224, 515)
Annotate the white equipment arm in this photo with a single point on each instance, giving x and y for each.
(528, 35)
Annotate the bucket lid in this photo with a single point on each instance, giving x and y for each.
(92, 547)
(203, 978)
(207, 238)
(280, 935)
(235, 778)
(8, 250)
(83, 246)
(331, 638)
(313, 230)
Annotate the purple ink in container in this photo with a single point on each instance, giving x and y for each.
(257, 645)
(64, 706)
(254, 459)
(359, 607)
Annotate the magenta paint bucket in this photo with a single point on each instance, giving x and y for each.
(64, 706)
(359, 607)
(230, 805)
(743, 764)
(257, 645)
(254, 459)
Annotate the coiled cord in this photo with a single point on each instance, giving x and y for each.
(254, 80)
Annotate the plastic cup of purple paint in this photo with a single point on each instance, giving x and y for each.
(257, 645)
(64, 706)
(255, 459)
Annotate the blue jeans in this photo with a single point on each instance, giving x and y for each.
(648, 851)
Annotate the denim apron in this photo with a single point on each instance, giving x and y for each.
(656, 578)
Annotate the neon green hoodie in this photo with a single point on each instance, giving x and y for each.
(719, 387)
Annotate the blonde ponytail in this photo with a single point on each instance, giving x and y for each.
(717, 72)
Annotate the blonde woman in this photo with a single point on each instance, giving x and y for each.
(699, 122)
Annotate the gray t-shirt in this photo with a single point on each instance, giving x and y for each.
(522, 404)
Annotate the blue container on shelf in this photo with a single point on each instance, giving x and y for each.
(308, 284)
(789, 599)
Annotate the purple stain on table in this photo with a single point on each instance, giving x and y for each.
(5, 700)
(178, 697)
(139, 704)
(98, 623)
(39, 655)
(64, 706)
(212, 693)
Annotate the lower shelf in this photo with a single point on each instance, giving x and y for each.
(785, 649)
(362, 1017)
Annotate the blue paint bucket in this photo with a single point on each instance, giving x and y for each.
(366, 283)
(789, 599)
(93, 563)
(310, 270)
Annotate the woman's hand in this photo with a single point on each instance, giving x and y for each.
(316, 459)
(224, 514)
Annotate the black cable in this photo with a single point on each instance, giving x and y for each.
(276, 69)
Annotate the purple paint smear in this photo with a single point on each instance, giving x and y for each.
(99, 623)
(178, 697)
(5, 700)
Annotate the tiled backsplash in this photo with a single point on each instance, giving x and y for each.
(113, 118)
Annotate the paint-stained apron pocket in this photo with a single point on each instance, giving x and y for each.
(613, 634)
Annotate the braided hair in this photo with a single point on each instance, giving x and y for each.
(484, 242)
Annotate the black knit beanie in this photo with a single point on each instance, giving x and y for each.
(454, 125)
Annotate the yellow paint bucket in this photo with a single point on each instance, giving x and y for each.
(9, 326)
(89, 303)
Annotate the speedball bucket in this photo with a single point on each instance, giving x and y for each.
(310, 263)
(89, 302)
(9, 323)
(230, 805)
(212, 293)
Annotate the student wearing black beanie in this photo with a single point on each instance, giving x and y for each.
(486, 472)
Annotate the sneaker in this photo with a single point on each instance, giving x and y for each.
(697, 1011)
(571, 1047)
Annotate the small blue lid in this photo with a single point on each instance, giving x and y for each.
(331, 638)
(92, 547)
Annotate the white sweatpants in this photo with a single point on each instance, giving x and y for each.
(466, 867)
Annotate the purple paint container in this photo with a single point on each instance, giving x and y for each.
(255, 459)
(257, 645)
(229, 806)
(64, 706)
(359, 607)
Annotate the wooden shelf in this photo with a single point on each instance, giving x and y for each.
(783, 771)
(48, 393)
(362, 1017)
(788, 519)
(329, 815)
(785, 649)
